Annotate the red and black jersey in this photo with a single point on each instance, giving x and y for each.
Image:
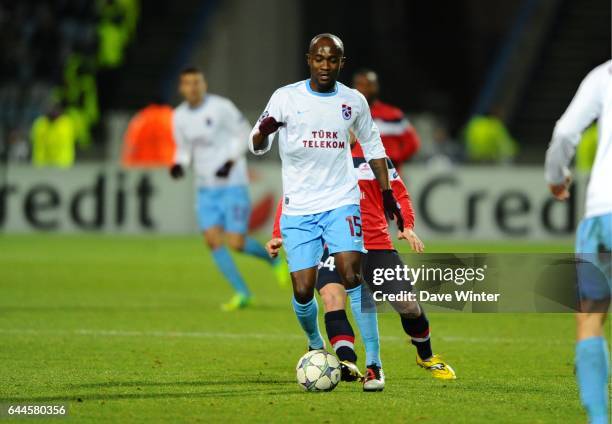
(399, 137)
(374, 223)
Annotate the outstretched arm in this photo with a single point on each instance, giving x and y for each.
(584, 108)
(260, 140)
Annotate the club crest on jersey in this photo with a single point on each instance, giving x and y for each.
(346, 112)
(364, 167)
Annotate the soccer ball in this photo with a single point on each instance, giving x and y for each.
(318, 371)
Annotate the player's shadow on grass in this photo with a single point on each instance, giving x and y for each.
(110, 384)
(138, 385)
(122, 396)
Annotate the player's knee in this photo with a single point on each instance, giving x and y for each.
(332, 299)
(410, 315)
(352, 278)
(213, 243)
(408, 310)
(303, 294)
(236, 243)
(590, 324)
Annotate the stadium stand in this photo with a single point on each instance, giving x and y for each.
(52, 54)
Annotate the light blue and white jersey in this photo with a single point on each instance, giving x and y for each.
(593, 101)
(314, 145)
(208, 136)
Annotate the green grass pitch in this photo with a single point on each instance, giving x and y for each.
(127, 329)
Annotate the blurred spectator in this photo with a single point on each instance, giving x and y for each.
(80, 87)
(149, 140)
(51, 50)
(81, 123)
(445, 151)
(116, 26)
(586, 150)
(399, 137)
(53, 139)
(18, 147)
(488, 140)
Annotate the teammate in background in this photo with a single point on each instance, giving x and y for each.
(210, 132)
(321, 195)
(593, 101)
(399, 137)
(381, 254)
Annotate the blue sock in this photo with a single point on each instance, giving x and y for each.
(368, 327)
(307, 317)
(254, 248)
(592, 362)
(226, 265)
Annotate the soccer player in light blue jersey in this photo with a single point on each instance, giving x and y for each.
(313, 120)
(593, 101)
(211, 134)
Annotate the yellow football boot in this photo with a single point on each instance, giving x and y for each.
(238, 301)
(438, 368)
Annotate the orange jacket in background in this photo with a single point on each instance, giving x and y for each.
(149, 140)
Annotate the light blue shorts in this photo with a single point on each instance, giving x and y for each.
(305, 235)
(593, 248)
(226, 207)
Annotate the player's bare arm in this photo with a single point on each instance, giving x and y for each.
(381, 172)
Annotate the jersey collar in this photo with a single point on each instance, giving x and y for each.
(316, 93)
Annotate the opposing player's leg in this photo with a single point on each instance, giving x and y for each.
(237, 209)
(211, 220)
(304, 248)
(333, 296)
(413, 318)
(593, 247)
(343, 235)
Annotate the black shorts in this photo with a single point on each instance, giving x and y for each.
(328, 272)
(381, 259)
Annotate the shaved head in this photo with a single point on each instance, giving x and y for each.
(325, 58)
(329, 39)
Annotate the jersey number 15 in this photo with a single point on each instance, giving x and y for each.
(354, 223)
